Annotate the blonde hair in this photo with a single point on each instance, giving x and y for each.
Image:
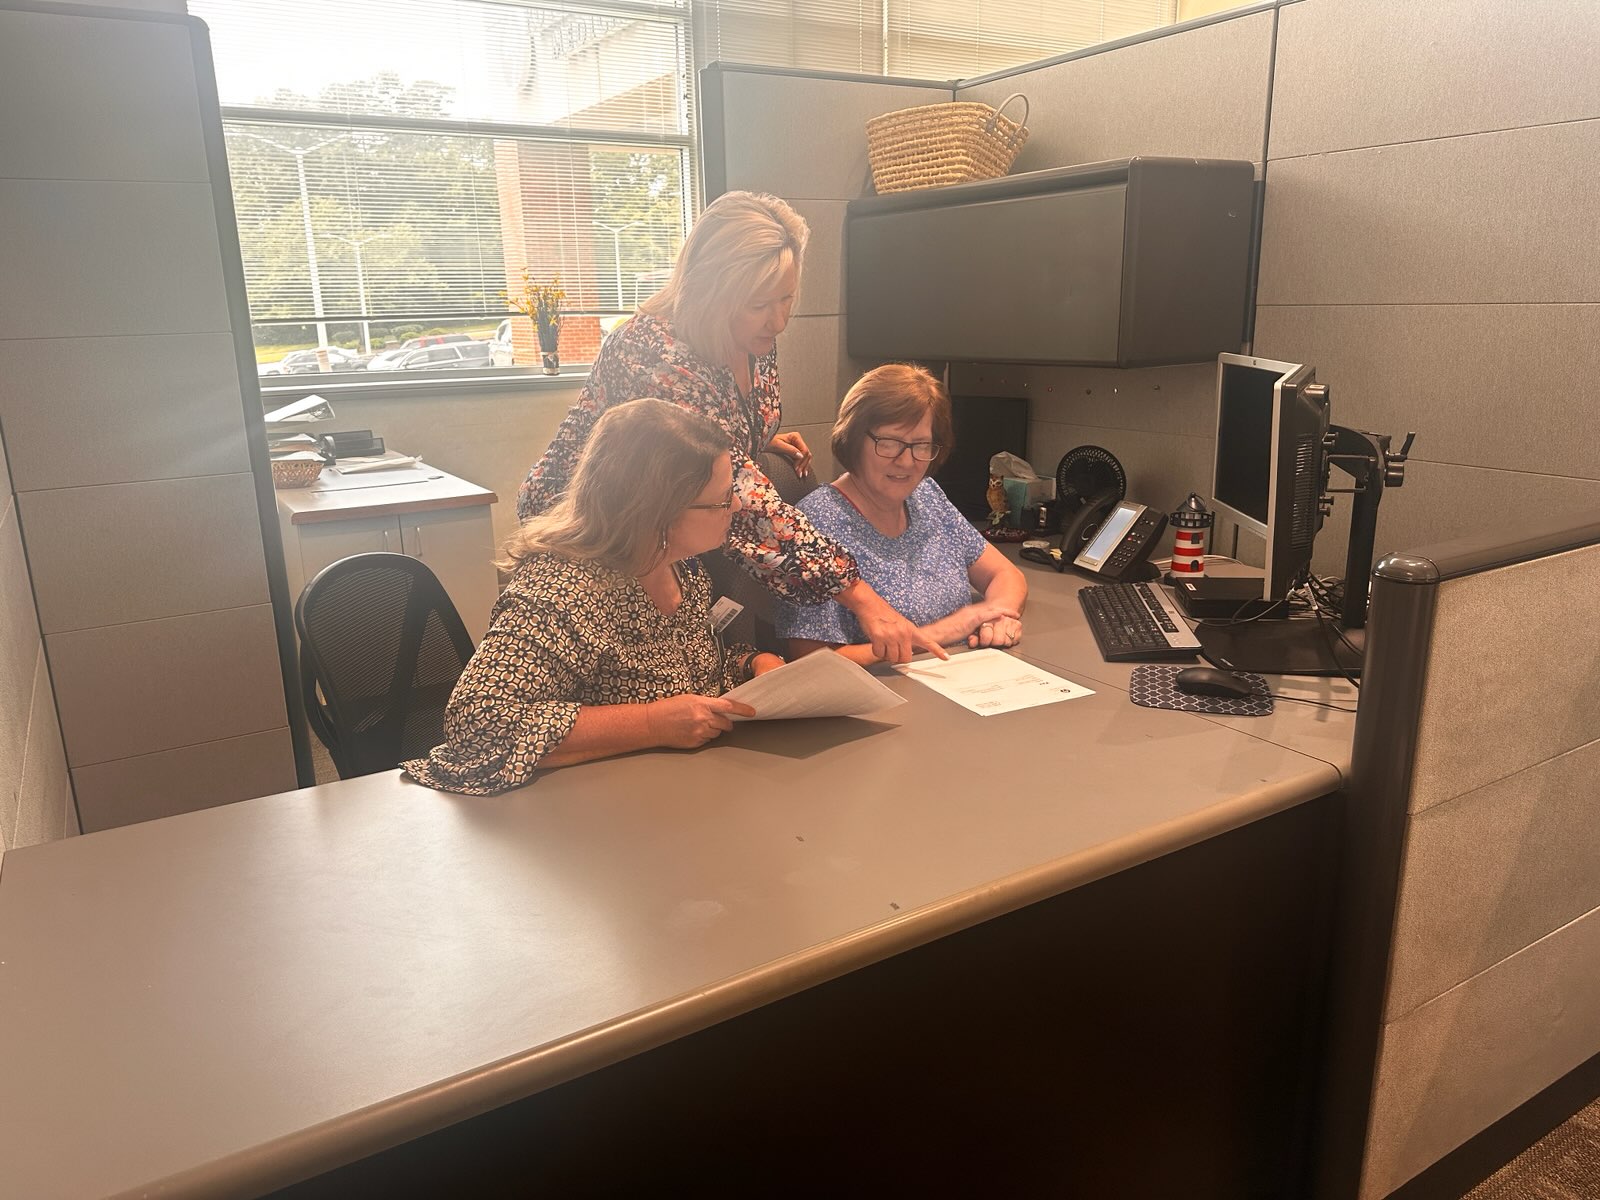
(741, 244)
(893, 394)
(643, 465)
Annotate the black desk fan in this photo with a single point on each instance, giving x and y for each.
(1090, 482)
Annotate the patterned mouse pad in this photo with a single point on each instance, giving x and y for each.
(1152, 687)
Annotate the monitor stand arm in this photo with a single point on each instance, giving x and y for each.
(1309, 647)
(1367, 459)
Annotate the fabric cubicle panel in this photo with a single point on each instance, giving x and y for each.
(129, 378)
(1475, 810)
(1428, 243)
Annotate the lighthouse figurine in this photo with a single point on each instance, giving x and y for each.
(1190, 524)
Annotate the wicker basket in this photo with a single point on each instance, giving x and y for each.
(939, 144)
(295, 472)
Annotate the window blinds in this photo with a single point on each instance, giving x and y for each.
(401, 160)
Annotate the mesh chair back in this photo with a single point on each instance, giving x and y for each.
(381, 648)
(729, 578)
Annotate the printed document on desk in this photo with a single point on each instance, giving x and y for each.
(822, 684)
(991, 681)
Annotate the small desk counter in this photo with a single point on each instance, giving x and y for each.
(417, 510)
(235, 999)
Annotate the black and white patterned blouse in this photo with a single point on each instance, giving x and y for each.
(567, 633)
(644, 358)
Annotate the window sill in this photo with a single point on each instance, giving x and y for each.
(397, 385)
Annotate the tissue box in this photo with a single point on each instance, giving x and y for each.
(1022, 494)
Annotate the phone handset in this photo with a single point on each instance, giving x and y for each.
(1113, 539)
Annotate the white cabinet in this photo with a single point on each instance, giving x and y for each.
(444, 521)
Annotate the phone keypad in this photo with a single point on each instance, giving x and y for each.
(1133, 544)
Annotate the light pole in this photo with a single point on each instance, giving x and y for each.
(361, 283)
(616, 233)
(305, 216)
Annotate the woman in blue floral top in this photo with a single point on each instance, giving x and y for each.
(707, 342)
(893, 429)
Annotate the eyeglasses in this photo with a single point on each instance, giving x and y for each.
(723, 506)
(888, 447)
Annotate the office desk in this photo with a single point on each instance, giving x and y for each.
(914, 950)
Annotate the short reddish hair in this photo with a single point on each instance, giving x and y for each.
(893, 394)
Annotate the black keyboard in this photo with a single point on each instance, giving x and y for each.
(1136, 622)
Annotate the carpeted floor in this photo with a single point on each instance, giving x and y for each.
(1563, 1165)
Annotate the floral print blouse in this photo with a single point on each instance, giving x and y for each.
(564, 634)
(643, 358)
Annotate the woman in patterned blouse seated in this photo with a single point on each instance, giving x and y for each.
(707, 342)
(910, 542)
(602, 642)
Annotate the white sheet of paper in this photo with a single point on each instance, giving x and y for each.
(819, 685)
(991, 681)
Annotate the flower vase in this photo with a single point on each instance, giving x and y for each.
(549, 353)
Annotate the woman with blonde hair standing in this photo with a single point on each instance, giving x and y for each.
(707, 342)
(602, 641)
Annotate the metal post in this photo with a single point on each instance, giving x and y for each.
(616, 249)
(311, 255)
(305, 216)
(361, 283)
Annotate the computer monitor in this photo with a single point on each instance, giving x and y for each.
(1270, 464)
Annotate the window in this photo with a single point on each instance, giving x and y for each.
(396, 162)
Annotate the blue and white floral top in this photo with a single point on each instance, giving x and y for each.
(923, 572)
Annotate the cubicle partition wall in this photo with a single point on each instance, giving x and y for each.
(1392, 142)
(1472, 947)
(128, 403)
(1428, 243)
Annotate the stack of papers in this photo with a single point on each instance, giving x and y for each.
(819, 685)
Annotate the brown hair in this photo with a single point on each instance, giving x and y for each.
(893, 394)
(741, 244)
(643, 465)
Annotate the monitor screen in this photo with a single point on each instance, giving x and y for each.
(1244, 439)
(1270, 460)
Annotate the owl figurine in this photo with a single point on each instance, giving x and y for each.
(996, 495)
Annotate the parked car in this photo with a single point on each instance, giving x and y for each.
(305, 362)
(385, 360)
(443, 358)
(500, 345)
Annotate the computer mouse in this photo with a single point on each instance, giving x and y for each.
(1209, 681)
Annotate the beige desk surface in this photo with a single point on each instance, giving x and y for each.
(233, 999)
(335, 497)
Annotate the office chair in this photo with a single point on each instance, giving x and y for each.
(754, 626)
(381, 648)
